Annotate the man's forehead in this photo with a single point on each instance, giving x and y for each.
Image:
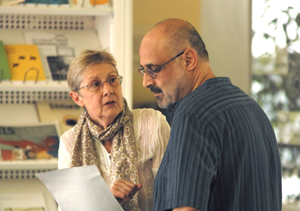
(148, 60)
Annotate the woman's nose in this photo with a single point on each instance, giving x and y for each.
(106, 88)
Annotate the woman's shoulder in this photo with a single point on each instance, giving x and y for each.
(67, 140)
(148, 118)
(68, 134)
(146, 112)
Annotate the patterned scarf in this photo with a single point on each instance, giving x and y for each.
(123, 151)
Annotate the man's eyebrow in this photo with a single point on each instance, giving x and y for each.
(148, 65)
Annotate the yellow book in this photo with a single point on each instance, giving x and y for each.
(24, 62)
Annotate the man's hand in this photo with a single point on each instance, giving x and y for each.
(124, 190)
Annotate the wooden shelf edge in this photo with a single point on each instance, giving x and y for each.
(29, 164)
(56, 10)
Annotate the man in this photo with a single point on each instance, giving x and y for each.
(222, 153)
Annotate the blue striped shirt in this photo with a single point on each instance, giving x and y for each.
(222, 154)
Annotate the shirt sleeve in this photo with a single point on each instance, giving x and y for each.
(161, 142)
(193, 156)
(64, 151)
(152, 132)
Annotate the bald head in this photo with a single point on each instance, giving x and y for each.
(177, 36)
(175, 54)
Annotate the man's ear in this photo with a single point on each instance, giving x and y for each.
(191, 59)
(76, 98)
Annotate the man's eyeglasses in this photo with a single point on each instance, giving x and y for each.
(96, 85)
(152, 70)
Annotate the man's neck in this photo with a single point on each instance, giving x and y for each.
(202, 74)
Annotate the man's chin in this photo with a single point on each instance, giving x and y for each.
(162, 101)
(162, 104)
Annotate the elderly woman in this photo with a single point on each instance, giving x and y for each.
(126, 145)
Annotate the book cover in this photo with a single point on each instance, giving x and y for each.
(10, 2)
(22, 201)
(65, 112)
(90, 3)
(58, 66)
(24, 62)
(35, 141)
(47, 2)
(4, 67)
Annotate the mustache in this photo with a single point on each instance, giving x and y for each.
(155, 89)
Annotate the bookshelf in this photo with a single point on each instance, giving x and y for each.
(50, 10)
(111, 27)
(111, 23)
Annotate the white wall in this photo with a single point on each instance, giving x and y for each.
(226, 30)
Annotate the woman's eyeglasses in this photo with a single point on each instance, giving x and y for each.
(96, 85)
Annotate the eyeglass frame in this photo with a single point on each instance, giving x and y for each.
(119, 77)
(152, 73)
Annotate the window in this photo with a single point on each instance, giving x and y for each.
(276, 82)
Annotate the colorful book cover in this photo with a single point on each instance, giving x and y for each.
(36, 141)
(51, 2)
(59, 66)
(24, 62)
(65, 112)
(4, 67)
(87, 3)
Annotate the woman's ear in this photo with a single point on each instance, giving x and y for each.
(191, 59)
(76, 98)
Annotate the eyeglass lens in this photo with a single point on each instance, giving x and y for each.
(152, 72)
(113, 81)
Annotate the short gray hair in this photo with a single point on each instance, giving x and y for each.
(83, 61)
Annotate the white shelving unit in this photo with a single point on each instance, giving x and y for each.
(112, 26)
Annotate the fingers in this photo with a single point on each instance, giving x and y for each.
(124, 190)
(139, 186)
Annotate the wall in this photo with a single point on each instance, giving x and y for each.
(145, 15)
(223, 25)
(226, 30)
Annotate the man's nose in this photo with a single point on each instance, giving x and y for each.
(147, 80)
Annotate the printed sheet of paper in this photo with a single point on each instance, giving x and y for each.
(80, 188)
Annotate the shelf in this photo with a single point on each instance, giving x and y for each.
(104, 10)
(25, 169)
(29, 164)
(30, 93)
(30, 85)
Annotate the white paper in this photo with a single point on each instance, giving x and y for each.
(80, 188)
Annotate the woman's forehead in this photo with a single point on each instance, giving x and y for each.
(99, 70)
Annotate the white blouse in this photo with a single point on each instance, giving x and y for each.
(151, 132)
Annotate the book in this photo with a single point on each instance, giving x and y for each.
(58, 46)
(24, 62)
(46, 2)
(65, 112)
(31, 141)
(22, 201)
(90, 3)
(58, 66)
(4, 67)
(10, 2)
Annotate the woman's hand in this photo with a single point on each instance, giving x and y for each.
(124, 190)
